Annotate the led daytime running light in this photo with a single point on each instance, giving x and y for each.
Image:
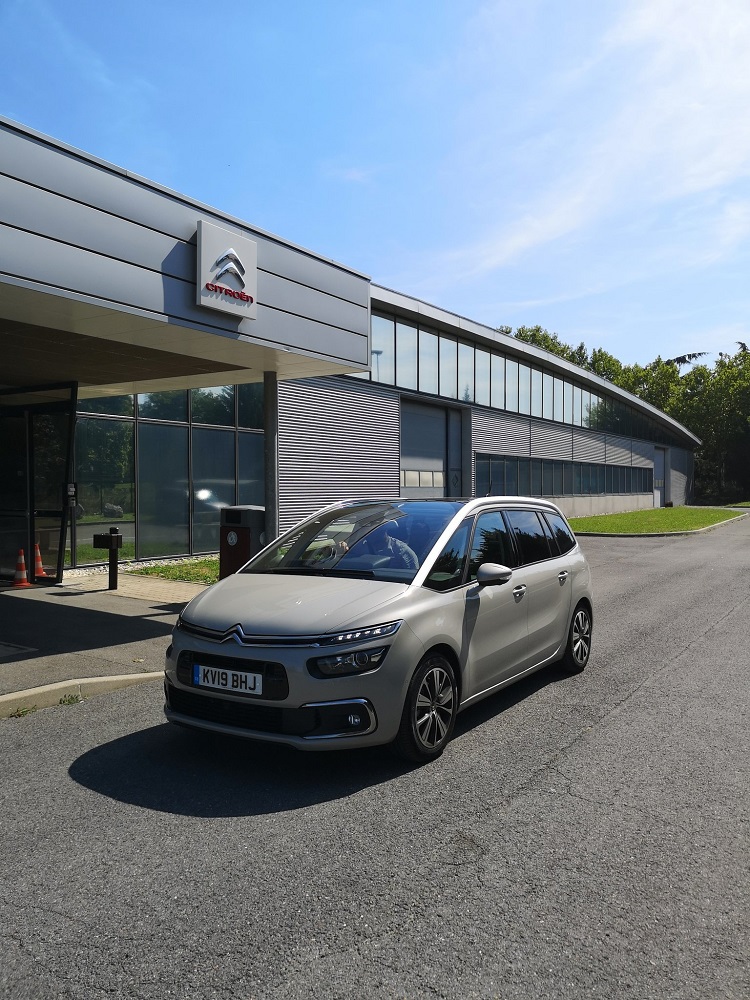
(362, 634)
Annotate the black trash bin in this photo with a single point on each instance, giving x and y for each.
(241, 535)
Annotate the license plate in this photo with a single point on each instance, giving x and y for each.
(227, 680)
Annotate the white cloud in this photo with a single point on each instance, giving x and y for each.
(676, 132)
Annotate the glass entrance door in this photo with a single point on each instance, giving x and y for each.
(36, 433)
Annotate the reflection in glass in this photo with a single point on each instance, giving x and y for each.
(214, 405)
(428, 362)
(213, 484)
(163, 405)
(577, 405)
(559, 414)
(568, 402)
(104, 471)
(536, 393)
(252, 465)
(511, 385)
(482, 377)
(406, 355)
(250, 405)
(524, 476)
(116, 406)
(497, 380)
(383, 350)
(466, 373)
(524, 389)
(448, 367)
(548, 396)
(163, 500)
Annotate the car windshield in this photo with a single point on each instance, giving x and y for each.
(382, 541)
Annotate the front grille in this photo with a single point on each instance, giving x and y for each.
(243, 714)
(275, 681)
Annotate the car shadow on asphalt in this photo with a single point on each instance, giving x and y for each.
(193, 773)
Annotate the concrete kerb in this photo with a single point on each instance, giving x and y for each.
(50, 695)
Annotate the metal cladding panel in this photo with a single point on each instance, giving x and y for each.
(589, 446)
(551, 441)
(500, 434)
(338, 440)
(643, 454)
(75, 224)
(619, 450)
(680, 476)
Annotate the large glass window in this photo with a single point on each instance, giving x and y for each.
(251, 470)
(548, 396)
(213, 484)
(536, 393)
(466, 373)
(170, 405)
(250, 405)
(383, 349)
(511, 385)
(482, 378)
(448, 368)
(428, 362)
(524, 476)
(213, 406)
(163, 496)
(577, 405)
(568, 402)
(524, 389)
(104, 467)
(497, 378)
(559, 410)
(406, 355)
(117, 406)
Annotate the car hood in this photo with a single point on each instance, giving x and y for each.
(286, 605)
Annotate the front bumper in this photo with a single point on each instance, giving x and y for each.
(311, 726)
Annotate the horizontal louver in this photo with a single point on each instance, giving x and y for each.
(643, 454)
(500, 434)
(551, 441)
(588, 446)
(619, 450)
(338, 440)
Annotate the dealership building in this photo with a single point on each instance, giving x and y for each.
(161, 360)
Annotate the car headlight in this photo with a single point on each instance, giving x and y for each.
(356, 661)
(341, 664)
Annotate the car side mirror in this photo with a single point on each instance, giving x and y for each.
(490, 574)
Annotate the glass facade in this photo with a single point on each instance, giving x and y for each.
(160, 466)
(411, 357)
(510, 475)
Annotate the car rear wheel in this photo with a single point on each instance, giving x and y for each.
(578, 647)
(429, 711)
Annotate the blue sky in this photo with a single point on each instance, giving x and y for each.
(581, 164)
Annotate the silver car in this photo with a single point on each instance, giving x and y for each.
(377, 622)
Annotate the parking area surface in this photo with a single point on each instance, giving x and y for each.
(581, 836)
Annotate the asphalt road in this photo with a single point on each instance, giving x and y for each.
(582, 837)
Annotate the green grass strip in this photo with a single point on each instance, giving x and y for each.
(194, 571)
(653, 521)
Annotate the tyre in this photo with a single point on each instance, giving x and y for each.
(578, 646)
(429, 711)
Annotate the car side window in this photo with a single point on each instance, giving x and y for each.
(491, 544)
(448, 569)
(529, 533)
(561, 532)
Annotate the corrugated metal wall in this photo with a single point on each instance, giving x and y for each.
(338, 439)
(551, 441)
(500, 433)
(589, 446)
(619, 450)
(680, 476)
(643, 454)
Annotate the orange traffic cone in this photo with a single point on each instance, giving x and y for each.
(20, 579)
(38, 567)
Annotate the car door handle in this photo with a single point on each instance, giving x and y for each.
(519, 591)
(562, 576)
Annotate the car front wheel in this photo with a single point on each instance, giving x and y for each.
(429, 711)
(578, 647)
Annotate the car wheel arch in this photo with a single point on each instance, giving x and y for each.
(442, 649)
